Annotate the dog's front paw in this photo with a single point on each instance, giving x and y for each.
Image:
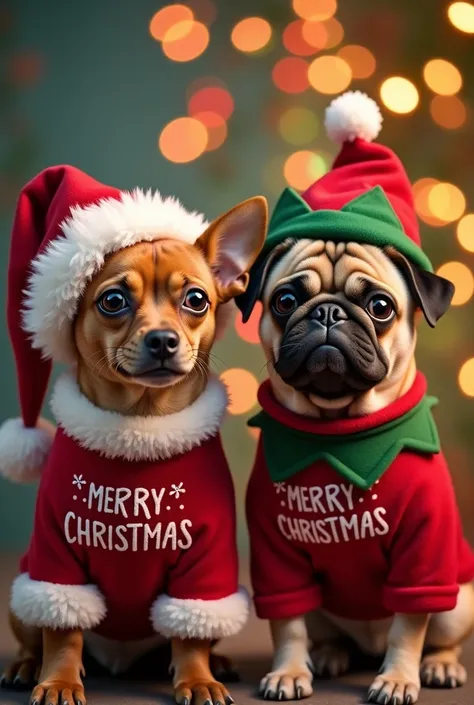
(201, 692)
(388, 689)
(20, 674)
(330, 659)
(287, 684)
(439, 672)
(58, 692)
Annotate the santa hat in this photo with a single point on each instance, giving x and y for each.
(66, 223)
(366, 197)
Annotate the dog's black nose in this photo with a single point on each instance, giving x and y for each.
(328, 314)
(162, 344)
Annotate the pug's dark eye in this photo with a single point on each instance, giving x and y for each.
(196, 301)
(112, 302)
(380, 307)
(284, 303)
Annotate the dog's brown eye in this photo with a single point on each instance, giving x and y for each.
(112, 302)
(196, 301)
(380, 307)
(285, 303)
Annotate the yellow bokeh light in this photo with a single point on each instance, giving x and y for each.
(298, 126)
(185, 41)
(251, 34)
(249, 331)
(216, 128)
(329, 74)
(421, 192)
(243, 387)
(446, 202)
(163, 20)
(399, 95)
(465, 232)
(466, 378)
(360, 59)
(335, 33)
(315, 9)
(183, 140)
(448, 111)
(461, 276)
(442, 77)
(315, 34)
(461, 15)
(303, 168)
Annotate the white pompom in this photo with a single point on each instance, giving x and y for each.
(24, 451)
(353, 115)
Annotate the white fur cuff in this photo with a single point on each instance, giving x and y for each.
(23, 451)
(41, 604)
(200, 619)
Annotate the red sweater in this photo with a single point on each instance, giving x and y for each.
(135, 532)
(319, 541)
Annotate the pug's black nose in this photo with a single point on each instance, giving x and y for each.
(162, 344)
(328, 314)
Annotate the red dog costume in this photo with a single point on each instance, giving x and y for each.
(134, 530)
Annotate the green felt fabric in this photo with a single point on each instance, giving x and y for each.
(368, 219)
(360, 457)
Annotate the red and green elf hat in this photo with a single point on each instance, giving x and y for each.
(366, 197)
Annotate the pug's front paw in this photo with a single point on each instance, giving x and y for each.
(393, 689)
(287, 683)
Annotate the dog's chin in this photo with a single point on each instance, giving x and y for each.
(158, 377)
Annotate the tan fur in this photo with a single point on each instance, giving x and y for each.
(330, 268)
(157, 275)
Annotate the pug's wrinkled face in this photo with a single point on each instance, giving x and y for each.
(338, 324)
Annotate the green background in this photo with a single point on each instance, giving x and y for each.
(96, 92)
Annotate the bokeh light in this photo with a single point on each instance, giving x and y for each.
(315, 34)
(163, 20)
(446, 202)
(26, 69)
(298, 126)
(185, 41)
(465, 232)
(302, 168)
(216, 129)
(249, 331)
(421, 192)
(448, 111)
(466, 378)
(243, 387)
(329, 74)
(335, 33)
(294, 40)
(213, 99)
(183, 140)
(315, 9)
(399, 95)
(461, 276)
(461, 15)
(290, 74)
(442, 77)
(360, 59)
(251, 34)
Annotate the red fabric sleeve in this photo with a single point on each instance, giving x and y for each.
(283, 577)
(424, 554)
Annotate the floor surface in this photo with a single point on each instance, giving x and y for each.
(250, 652)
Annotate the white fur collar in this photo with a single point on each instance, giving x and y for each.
(138, 437)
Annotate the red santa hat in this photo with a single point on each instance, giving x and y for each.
(66, 223)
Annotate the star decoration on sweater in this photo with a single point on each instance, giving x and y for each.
(280, 487)
(177, 490)
(79, 481)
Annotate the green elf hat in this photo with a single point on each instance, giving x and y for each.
(365, 198)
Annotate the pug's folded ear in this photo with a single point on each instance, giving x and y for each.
(431, 293)
(259, 276)
(231, 245)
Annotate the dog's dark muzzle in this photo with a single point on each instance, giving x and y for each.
(331, 350)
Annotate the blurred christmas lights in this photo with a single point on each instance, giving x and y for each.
(315, 9)
(315, 34)
(421, 192)
(294, 40)
(185, 40)
(446, 202)
(335, 33)
(466, 378)
(442, 77)
(290, 74)
(183, 140)
(249, 331)
(465, 232)
(302, 168)
(212, 99)
(360, 59)
(329, 74)
(163, 20)
(298, 126)
(399, 95)
(448, 111)
(461, 15)
(242, 386)
(461, 276)
(251, 34)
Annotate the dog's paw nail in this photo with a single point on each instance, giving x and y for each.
(452, 682)
(185, 701)
(208, 702)
(437, 682)
(395, 701)
(229, 700)
(299, 692)
(371, 695)
(386, 700)
(281, 694)
(408, 700)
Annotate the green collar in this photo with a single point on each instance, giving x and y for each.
(360, 457)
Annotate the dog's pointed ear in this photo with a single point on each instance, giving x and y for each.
(258, 278)
(232, 243)
(432, 293)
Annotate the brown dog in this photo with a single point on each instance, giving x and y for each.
(356, 364)
(143, 333)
